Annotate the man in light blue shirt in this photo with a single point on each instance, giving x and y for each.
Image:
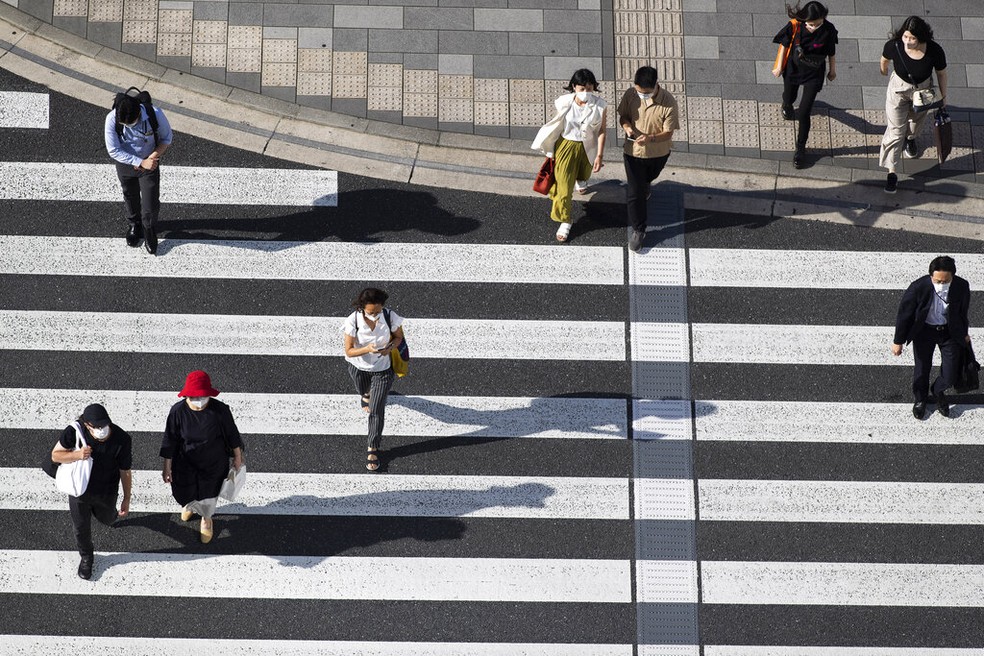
(136, 142)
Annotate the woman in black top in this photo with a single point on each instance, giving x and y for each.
(914, 56)
(199, 437)
(806, 43)
(110, 448)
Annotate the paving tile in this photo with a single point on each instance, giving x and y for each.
(571, 21)
(741, 135)
(665, 23)
(350, 106)
(350, 40)
(250, 81)
(313, 83)
(279, 32)
(294, 15)
(350, 63)
(140, 10)
(509, 66)
(455, 110)
(369, 17)
(433, 18)
(971, 27)
(244, 60)
(280, 51)
(634, 22)
(314, 37)
(420, 82)
(701, 47)
(175, 21)
(509, 20)
(704, 109)
(533, 43)
(385, 99)
(43, 9)
(245, 13)
(491, 90)
(279, 74)
(207, 31)
(139, 31)
(420, 61)
(740, 111)
(491, 113)
(386, 58)
(776, 138)
(348, 86)
(526, 91)
(455, 64)
(70, 8)
(211, 10)
(172, 44)
(245, 36)
(406, 41)
(385, 75)
(559, 67)
(452, 42)
(526, 114)
(422, 105)
(455, 86)
(717, 24)
(105, 11)
(208, 55)
(286, 93)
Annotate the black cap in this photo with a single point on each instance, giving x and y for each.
(95, 415)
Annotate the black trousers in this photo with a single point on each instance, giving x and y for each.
(639, 174)
(923, 346)
(810, 91)
(376, 385)
(83, 509)
(141, 194)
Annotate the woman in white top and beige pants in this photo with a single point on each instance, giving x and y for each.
(368, 342)
(575, 138)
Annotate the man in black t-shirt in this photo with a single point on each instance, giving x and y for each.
(110, 448)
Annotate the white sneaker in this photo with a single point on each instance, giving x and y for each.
(581, 187)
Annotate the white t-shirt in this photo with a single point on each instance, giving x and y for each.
(355, 325)
(582, 121)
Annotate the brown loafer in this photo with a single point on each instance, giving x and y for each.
(186, 514)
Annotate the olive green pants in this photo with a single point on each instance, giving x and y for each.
(570, 164)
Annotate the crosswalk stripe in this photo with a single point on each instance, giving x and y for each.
(334, 414)
(23, 109)
(820, 269)
(132, 646)
(781, 344)
(123, 332)
(312, 577)
(847, 422)
(762, 650)
(291, 260)
(855, 502)
(43, 181)
(429, 495)
(836, 584)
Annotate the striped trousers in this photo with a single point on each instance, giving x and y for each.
(376, 385)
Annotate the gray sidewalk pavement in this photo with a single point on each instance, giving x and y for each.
(80, 68)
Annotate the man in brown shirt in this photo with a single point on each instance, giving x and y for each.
(649, 115)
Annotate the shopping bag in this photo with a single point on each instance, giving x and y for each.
(942, 134)
(544, 177)
(73, 477)
(233, 483)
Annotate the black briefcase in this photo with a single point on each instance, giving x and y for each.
(968, 376)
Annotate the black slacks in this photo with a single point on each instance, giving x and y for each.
(83, 509)
(923, 346)
(810, 91)
(639, 174)
(141, 194)
(376, 385)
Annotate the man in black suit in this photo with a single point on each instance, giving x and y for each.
(933, 312)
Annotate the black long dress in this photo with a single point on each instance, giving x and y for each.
(199, 442)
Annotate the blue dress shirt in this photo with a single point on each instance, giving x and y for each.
(138, 140)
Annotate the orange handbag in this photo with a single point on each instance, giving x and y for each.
(785, 55)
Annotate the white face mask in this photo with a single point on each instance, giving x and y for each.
(644, 96)
(198, 402)
(941, 287)
(99, 433)
(582, 96)
(371, 317)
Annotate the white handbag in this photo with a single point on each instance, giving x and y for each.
(73, 477)
(233, 483)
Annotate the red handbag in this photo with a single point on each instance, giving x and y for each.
(544, 177)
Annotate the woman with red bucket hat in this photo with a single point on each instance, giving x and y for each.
(199, 438)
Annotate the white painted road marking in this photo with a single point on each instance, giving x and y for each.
(334, 414)
(125, 332)
(132, 646)
(281, 494)
(853, 502)
(293, 260)
(814, 421)
(313, 577)
(23, 109)
(179, 184)
(842, 584)
(804, 269)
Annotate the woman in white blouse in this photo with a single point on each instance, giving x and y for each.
(371, 332)
(575, 139)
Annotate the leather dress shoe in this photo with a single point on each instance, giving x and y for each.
(799, 158)
(133, 235)
(942, 404)
(85, 567)
(150, 241)
(919, 409)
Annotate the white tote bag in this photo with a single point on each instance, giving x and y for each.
(233, 483)
(73, 477)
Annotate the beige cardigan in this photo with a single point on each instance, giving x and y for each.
(548, 135)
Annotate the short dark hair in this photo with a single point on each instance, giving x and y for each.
(646, 77)
(943, 263)
(811, 11)
(128, 109)
(583, 77)
(370, 296)
(917, 27)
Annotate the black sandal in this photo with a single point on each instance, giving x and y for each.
(372, 464)
(364, 402)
